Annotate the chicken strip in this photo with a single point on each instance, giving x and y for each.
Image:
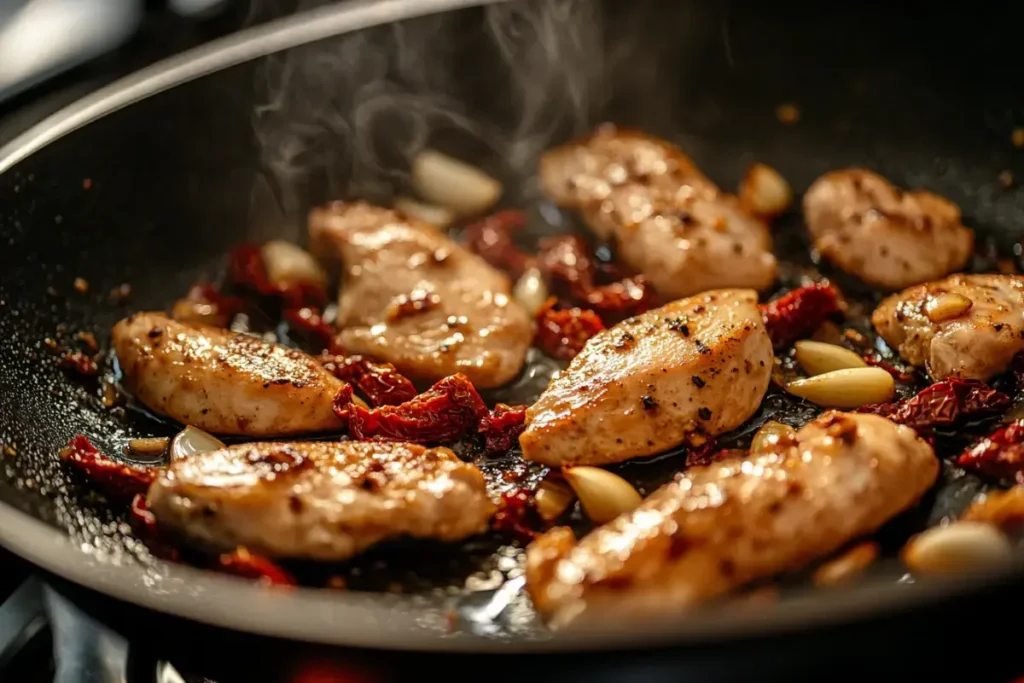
(886, 237)
(966, 326)
(724, 525)
(696, 367)
(223, 382)
(320, 500)
(414, 298)
(667, 219)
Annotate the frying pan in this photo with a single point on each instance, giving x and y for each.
(151, 180)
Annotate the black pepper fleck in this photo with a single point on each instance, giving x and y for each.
(698, 381)
(704, 413)
(649, 402)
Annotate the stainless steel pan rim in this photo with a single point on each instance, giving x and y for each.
(364, 619)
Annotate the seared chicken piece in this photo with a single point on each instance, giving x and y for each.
(414, 298)
(668, 220)
(696, 367)
(223, 382)
(729, 523)
(319, 500)
(886, 237)
(967, 326)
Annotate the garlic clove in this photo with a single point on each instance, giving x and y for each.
(847, 566)
(289, 264)
(946, 306)
(764, 192)
(846, 389)
(552, 499)
(603, 495)
(192, 441)
(817, 358)
(453, 184)
(438, 216)
(531, 290)
(771, 436)
(957, 548)
(148, 448)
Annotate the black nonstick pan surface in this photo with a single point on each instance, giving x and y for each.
(151, 181)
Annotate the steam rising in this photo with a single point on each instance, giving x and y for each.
(495, 85)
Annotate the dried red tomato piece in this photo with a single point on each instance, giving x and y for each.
(117, 480)
(797, 314)
(309, 321)
(245, 564)
(79, 363)
(342, 403)
(563, 333)
(382, 383)
(999, 455)
(502, 426)
(248, 271)
(493, 239)
(897, 374)
(623, 299)
(702, 455)
(144, 523)
(566, 263)
(943, 404)
(572, 274)
(448, 411)
(517, 515)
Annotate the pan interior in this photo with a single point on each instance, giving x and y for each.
(154, 195)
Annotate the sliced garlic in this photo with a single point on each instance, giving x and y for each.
(531, 291)
(770, 436)
(149, 448)
(552, 499)
(603, 495)
(846, 566)
(817, 358)
(453, 184)
(846, 389)
(946, 306)
(290, 264)
(192, 440)
(957, 548)
(438, 216)
(765, 192)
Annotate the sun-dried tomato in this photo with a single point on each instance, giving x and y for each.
(144, 523)
(245, 564)
(381, 382)
(448, 411)
(517, 515)
(247, 270)
(702, 455)
(897, 374)
(999, 455)
(572, 275)
(118, 480)
(310, 323)
(563, 333)
(623, 299)
(567, 265)
(797, 314)
(493, 239)
(502, 426)
(79, 364)
(943, 404)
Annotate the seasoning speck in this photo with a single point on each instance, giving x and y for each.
(698, 381)
(704, 413)
(649, 402)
